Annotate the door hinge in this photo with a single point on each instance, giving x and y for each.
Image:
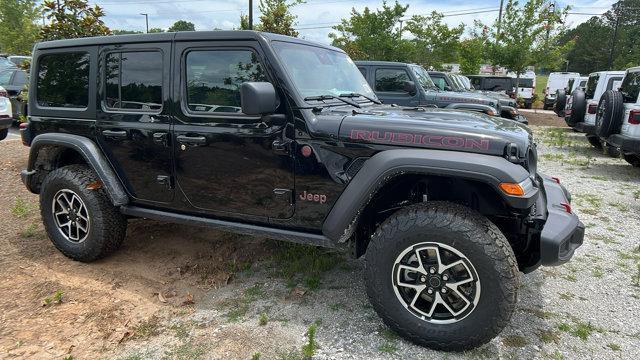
(161, 138)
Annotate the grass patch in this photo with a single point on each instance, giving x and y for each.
(181, 330)
(614, 346)
(636, 281)
(552, 157)
(187, 351)
(592, 200)
(514, 341)
(567, 296)
(580, 329)
(304, 264)
(55, 298)
(256, 356)
(605, 239)
(309, 349)
(620, 206)
(240, 306)
(548, 336)
(29, 231)
(263, 319)
(597, 272)
(636, 194)
(148, 327)
(388, 348)
(21, 208)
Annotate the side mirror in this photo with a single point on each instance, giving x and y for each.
(409, 87)
(258, 98)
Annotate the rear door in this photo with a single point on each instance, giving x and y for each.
(388, 83)
(133, 125)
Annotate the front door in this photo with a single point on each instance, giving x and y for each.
(133, 125)
(227, 163)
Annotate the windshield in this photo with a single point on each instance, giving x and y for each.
(497, 84)
(525, 83)
(317, 71)
(5, 77)
(630, 87)
(592, 83)
(423, 77)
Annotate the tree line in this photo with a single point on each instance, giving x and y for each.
(529, 33)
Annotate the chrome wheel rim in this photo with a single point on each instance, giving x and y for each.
(436, 282)
(71, 216)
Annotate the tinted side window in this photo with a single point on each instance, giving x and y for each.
(592, 83)
(20, 79)
(214, 78)
(630, 87)
(63, 80)
(612, 81)
(134, 81)
(391, 80)
(439, 81)
(5, 77)
(363, 71)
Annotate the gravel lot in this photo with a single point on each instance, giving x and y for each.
(181, 293)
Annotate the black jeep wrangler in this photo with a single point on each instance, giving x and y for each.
(269, 135)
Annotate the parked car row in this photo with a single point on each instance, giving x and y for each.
(6, 117)
(606, 110)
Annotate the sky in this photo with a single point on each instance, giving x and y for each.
(315, 17)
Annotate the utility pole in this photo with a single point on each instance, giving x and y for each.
(401, 21)
(250, 14)
(499, 20)
(615, 37)
(146, 18)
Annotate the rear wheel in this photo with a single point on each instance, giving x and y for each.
(611, 150)
(78, 215)
(4, 133)
(609, 114)
(442, 276)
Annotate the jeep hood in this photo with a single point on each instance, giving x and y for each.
(456, 130)
(456, 97)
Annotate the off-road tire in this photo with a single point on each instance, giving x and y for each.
(632, 159)
(594, 141)
(611, 151)
(4, 133)
(609, 114)
(578, 108)
(470, 233)
(561, 101)
(107, 227)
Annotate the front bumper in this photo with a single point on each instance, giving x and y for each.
(563, 232)
(627, 144)
(585, 128)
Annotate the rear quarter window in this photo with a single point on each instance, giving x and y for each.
(630, 87)
(592, 84)
(63, 80)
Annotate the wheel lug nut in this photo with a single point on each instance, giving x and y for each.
(445, 277)
(444, 290)
(432, 270)
(430, 290)
(423, 278)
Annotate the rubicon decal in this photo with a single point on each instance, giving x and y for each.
(319, 198)
(392, 137)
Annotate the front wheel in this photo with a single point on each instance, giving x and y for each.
(4, 133)
(78, 215)
(442, 276)
(632, 159)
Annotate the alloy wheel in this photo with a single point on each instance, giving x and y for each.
(71, 215)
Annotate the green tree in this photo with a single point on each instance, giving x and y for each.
(125, 32)
(522, 39)
(155, 30)
(627, 45)
(591, 45)
(374, 35)
(72, 19)
(435, 42)
(182, 25)
(275, 17)
(472, 55)
(18, 28)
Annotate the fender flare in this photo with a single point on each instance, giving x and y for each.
(472, 107)
(379, 169)
(89, 151)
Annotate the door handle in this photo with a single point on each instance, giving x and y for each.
(191, 140)
(114, 134)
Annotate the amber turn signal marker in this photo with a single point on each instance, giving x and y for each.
(512, 189)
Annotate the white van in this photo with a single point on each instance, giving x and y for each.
(526, 87)
(556, 81)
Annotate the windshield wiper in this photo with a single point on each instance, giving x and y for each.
(355, 94)
(330, 97)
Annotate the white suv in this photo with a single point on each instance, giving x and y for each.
(598, 83)
(618, 117)
(556, 81)
(5, 113)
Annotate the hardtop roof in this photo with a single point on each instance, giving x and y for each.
(225, 35)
